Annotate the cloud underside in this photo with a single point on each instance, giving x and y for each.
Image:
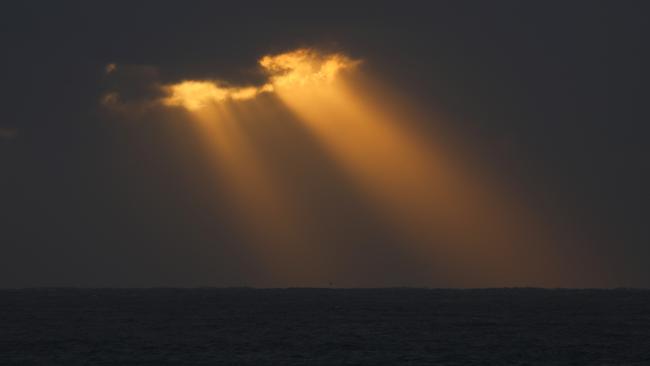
(302, 67)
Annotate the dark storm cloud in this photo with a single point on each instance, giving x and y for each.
(138, 87)
(133, 83)
(92, 201)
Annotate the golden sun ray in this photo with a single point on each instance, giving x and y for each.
(260, 204)
(465, 225)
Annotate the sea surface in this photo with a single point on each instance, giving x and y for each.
(208, 326)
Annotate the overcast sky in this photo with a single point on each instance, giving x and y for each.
(90, 198)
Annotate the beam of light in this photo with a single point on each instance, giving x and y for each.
(281, 243)
(460, 221)
(415, 183)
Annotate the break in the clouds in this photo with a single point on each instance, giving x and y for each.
(140, 86)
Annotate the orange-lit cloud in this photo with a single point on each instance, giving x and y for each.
(297, 68)
(305, 67)
(195, 95)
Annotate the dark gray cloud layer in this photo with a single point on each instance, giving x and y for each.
(91, 200)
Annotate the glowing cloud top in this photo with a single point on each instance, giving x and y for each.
(304, 66)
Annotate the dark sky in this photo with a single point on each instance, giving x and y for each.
(86, 200)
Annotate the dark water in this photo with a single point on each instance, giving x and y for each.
(324, 327)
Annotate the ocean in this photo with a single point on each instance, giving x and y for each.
(398, 326)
